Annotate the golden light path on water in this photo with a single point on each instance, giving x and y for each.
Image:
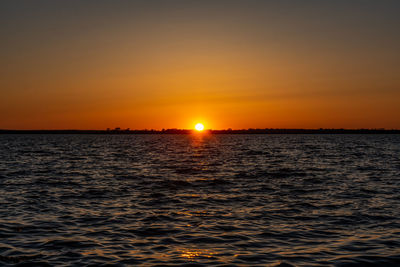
(192, 254)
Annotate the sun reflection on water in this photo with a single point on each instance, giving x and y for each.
(192, 254)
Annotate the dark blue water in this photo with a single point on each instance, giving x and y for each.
(227, 200)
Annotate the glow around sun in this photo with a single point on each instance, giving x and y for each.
(199, 127)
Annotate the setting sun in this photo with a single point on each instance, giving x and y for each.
(199, 127)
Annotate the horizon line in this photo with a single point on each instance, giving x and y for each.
(170, 130)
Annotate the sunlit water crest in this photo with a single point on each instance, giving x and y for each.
(242, 200)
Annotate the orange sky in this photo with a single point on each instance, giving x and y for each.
(231, 64)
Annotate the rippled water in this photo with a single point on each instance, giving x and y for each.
(222, 200)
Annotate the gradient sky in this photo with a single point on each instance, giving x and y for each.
(228, 64)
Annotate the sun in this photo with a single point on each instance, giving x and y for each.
(199, 127)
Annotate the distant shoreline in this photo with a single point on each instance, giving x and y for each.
(184, 131)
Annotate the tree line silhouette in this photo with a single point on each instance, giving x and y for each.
(227, 131)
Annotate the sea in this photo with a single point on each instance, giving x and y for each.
(199, 200)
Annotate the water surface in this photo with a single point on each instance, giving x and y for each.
(224, 200)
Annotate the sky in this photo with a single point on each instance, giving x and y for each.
(228, 64)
